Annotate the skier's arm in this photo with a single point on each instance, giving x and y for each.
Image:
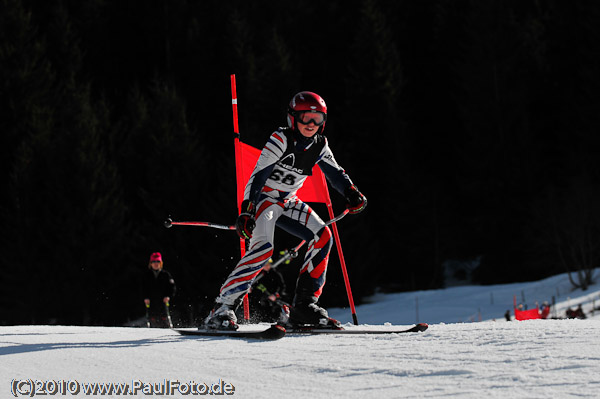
(265, 293)
(334, 173)
(271, 153)
(168, 287)
(145, 288)
(340, 181)
(173, 287)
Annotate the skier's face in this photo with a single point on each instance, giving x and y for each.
(155, 265)
(308, 130)
(309, 122)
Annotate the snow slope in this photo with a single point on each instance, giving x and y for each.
(497, 359)
(472, 303)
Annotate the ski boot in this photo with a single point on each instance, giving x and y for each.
(307, 314)
(222, 317)
(284, 315)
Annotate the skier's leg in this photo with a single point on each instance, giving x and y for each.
(239, 281)
(300, 220)
(154, 313)
(314, 269)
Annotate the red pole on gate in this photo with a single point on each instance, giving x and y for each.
(338, 244)
(238, 173)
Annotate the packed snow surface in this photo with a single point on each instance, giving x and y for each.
(497, 359)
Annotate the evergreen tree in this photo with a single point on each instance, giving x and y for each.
(566, 211)
(373, 106)
(494, 86)
(27, 81)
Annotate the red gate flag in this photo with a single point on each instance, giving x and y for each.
(529, 314)
(313, 190)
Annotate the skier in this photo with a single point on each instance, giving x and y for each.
(158, 287)
(270, 199)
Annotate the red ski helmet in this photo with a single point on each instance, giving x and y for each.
(307, 101)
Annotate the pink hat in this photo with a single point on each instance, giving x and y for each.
(156, 256)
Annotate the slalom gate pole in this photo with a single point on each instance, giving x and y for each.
(238, 174)
(338, 244)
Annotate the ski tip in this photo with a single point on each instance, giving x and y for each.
(278, 327)
(276, 331)
(422, 327)
(272, 333)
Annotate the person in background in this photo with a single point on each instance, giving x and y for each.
(579, 313)
(267, 295)
(545, 310)
(575, 314)
(570, 313)
(158, 288)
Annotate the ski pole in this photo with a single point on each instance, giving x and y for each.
(338, 217)
(287, 255)
(169, 222)
(148, 315)
(292, 253)
(168, 315)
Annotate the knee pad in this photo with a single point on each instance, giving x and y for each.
(324, 238)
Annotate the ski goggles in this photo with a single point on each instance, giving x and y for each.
(316, 117)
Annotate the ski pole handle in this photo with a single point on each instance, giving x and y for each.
(287, 255)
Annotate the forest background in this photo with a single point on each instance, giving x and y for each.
(472, 126)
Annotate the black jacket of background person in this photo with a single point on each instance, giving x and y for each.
(156, 286)
(272, 282)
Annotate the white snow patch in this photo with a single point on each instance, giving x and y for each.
(492, 359)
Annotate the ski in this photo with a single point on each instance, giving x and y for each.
(420, 327)
(272, 333)
(276, 331)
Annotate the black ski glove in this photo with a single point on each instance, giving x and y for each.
(245, 224)
(356, 201)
